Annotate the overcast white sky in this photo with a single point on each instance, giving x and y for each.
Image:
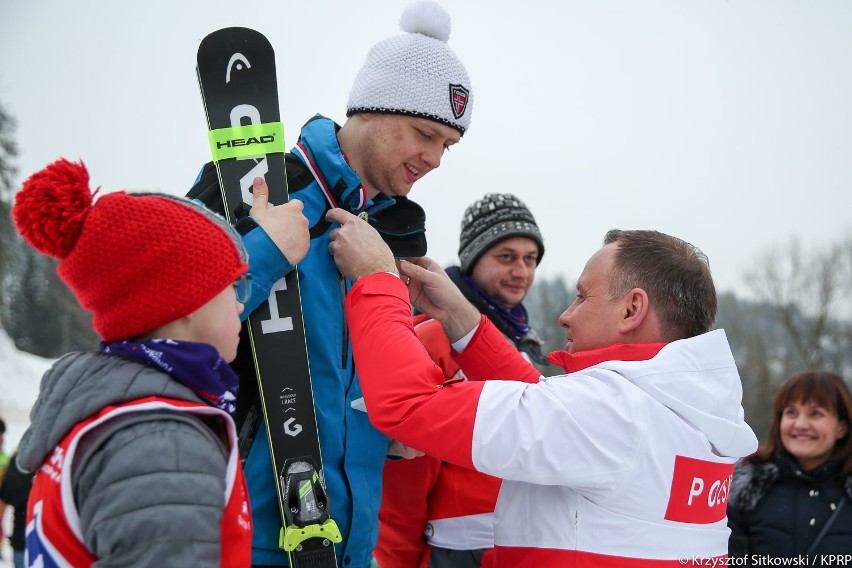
(726, 123)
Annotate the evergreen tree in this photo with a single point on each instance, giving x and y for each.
(8, 153)
(37, 310)
(545, 302)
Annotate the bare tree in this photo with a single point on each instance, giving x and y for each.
(810, 291)
(801, 319)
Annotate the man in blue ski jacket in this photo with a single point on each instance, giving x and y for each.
(410, 101)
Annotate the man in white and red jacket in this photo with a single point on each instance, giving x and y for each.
(624, 461)
(436, 514)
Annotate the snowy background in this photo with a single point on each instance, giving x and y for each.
(725, 122)
(20, 375)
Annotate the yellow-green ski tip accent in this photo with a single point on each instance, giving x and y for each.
(249, 141)
(291, 537)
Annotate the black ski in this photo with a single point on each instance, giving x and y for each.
(236, 73)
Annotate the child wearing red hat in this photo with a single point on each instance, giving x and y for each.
(134, 445)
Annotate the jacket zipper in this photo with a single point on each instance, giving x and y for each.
(343, 357)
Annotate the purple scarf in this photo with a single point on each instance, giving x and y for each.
(516, 317)
(195, 365)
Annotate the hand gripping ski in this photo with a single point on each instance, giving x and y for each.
(236, 73)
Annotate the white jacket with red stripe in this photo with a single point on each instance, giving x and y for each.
(626, 462)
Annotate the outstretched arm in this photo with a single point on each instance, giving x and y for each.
(505, 428)
(434, 294)
(401, 384)
(488, 355)
(359, 251)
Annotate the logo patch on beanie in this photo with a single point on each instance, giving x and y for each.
(458, 100)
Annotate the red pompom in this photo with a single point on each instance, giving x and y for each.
(51, 207)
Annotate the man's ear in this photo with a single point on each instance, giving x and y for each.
(635, 309)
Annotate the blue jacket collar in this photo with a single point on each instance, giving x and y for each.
(319, 149)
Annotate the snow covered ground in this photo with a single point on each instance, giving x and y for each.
(20, 376)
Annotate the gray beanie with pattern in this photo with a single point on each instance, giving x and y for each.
(416, 73)
(494, 218)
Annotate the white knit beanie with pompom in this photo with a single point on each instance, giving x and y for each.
(416, 73)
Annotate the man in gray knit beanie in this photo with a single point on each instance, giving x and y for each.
(494, 218)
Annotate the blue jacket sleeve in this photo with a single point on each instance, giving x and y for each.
(267, 265)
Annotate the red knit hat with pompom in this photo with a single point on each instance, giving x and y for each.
(136, 261)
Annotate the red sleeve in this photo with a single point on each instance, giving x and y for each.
(489, 355)
(404, 511)
(407, 484)
(398, 378)
(432, 336)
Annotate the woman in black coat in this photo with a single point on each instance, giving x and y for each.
(792, 497)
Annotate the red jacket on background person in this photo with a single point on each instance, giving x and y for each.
(429, 504)
(436, 514)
